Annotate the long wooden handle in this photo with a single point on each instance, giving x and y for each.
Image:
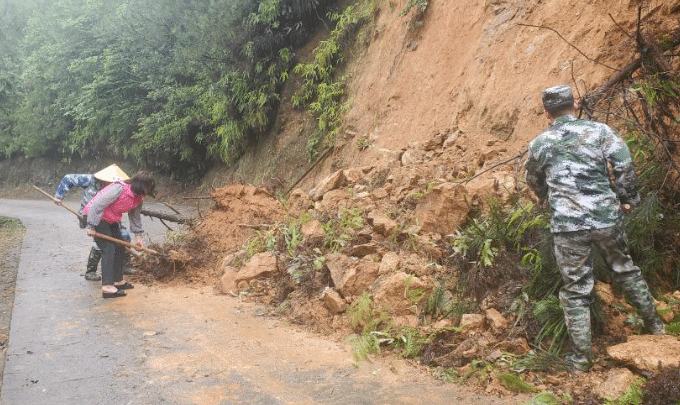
(55, 200)
(124, 243)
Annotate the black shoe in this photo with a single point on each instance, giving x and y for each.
(119, 293)
(126, 286)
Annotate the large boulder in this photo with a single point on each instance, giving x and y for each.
(351, 276)
(260, 265)
(647, 352)
(332, 182)
(381, 223)
(228, 283)
(334, 200)
(443, 210)
(389, 263)
(313, 231)
(616, 383)
(399, 292)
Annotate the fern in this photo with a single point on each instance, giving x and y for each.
(544, 398)
(551, 317)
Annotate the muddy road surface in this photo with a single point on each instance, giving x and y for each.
(174, 344)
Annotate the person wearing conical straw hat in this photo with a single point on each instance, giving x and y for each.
(104, 213)
(92, 183)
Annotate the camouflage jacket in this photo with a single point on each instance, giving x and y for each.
(571, 163)
(84, 181)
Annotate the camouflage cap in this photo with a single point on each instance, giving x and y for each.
(558, 98)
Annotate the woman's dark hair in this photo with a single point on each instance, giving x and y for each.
(143, 184)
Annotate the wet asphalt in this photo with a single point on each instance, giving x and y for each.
(59, 350)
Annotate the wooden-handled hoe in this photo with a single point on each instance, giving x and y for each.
(106, 237)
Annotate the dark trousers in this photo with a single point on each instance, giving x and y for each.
(113, 254)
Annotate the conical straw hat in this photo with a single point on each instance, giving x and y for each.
(111, 174)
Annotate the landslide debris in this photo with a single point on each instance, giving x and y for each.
(367, 254)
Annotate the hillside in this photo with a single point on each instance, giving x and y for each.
(442, 101)
(470, 67)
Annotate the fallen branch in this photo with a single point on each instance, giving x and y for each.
(568, 43)
(168, 217)
(258, 227)
(591, 98)
(495, 165)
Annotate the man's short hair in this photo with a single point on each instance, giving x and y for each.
(558, 99)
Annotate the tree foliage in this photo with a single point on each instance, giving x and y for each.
(177, 84)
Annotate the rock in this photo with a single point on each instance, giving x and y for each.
(338, 264)
(443, 210)
(415, 264)
(334, 200)
(451, 139)
(228, 281)
(389, 263)
(381, 223)
(260, 265)
(410, 157)
(517, 346)
(332, 182)
(235, 259)
(443, 323)
(500, 186)
(333, 301)
(313, 231)
(363, 250)
(356, 175)
(494, 355)
(472, 322)
(616, 383)
(430, 248)
(496, 320)
(380, 194)
(676, 295)
(299, 202)
(399, 292)
(647, 352)
(434, 143)
(351, 276)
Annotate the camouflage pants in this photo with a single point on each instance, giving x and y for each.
(573, 252)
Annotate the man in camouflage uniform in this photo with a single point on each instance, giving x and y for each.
(91, 183)
(570, 165)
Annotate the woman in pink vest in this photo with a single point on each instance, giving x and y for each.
(104, 213)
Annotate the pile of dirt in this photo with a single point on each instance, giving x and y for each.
(382, 230)
(238, 213)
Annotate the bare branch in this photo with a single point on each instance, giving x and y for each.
(568, 43)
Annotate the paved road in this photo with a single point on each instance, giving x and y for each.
(173, 345)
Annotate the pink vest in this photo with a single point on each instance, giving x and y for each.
(127, 200)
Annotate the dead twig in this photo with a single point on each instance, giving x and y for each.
(172, 208)
(258, 227)
(495, 165)
(568, 43)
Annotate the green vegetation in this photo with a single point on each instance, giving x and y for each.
(10, 224)
(515, 383)
(322, 92)
(178, 85)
